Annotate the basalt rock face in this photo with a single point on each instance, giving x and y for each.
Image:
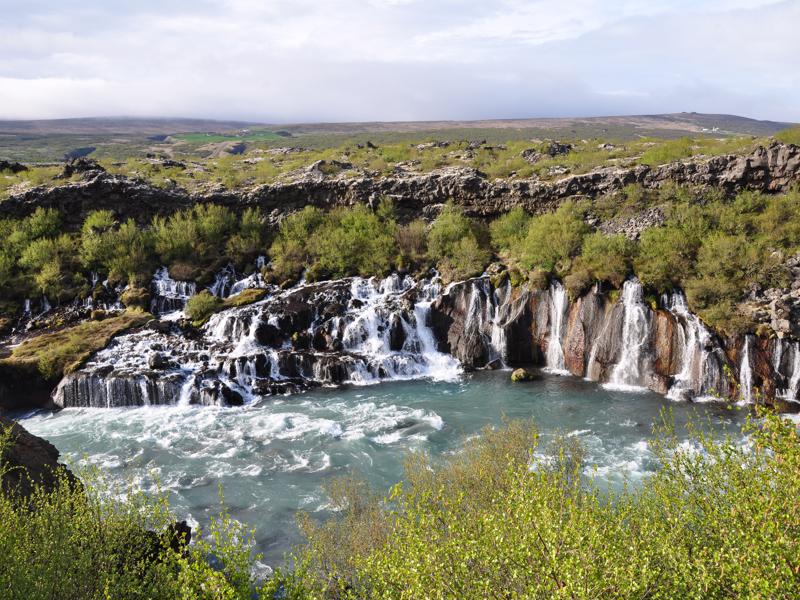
(773, 169)
(357, 331)
(29, 461)
(626, 344)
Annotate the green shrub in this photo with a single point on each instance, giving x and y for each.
(457, 244)
(100, 541)
(554, 239)
(447, 230)
(290, 251)
(250, 240)
(509, 230)
(717, 520)
(412, 242)
(467, 260)
(665, 258)
(606, 257)
(201, 306)
(120, 251)
(196, 235)
(354, 241)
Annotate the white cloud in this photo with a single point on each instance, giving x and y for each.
(300, 60)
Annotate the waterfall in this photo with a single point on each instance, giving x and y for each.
(169, 295)
(484, 320)
(627, 374)
(700, 374)
(794, 381)
(356, 330)
(555, 349)
(222, 282)
(746, 374)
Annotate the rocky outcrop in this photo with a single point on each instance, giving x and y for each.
(778, 308)
(772, 169)
(665, 349)
(28, 461)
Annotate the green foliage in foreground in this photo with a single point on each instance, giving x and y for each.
(718, 520)
(94, 543)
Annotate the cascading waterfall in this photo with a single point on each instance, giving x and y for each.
(791, 393)
(555, 349)
(170, 295)
(746, 374)
(700, 373)
(627, 373)
(483, 313)
(357, 331)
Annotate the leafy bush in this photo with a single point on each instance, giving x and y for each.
(554, 239)
(665, 258)
(412, 242)
(607, 257)
(196, 235)
(290, 251)
(717, 520)
(120, 251)
(354, 241)
(98, 541)
(510, 229)
(457, 244)
(250, 241)
(201, 306)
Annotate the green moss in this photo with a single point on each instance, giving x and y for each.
(64, 351)
(201, 306)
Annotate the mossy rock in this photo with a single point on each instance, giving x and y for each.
(539, 279)
(136, 297)
(523, 375)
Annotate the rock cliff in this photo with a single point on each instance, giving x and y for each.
(773, 168)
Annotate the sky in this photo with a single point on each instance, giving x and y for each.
(285, 61)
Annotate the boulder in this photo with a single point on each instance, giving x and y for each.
(523, 375)
(29, 461)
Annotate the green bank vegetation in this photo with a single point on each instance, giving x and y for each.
(504, 517)
(507, 518)
(714, 248)
(201, 306)
(99, 541)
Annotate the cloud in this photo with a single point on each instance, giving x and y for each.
(304, 60)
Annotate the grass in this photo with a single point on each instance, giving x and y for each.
(60, 352)
(206, 138)
(499, 157)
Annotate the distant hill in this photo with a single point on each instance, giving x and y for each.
(118, 125)
(689, 122)
(118, 138)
